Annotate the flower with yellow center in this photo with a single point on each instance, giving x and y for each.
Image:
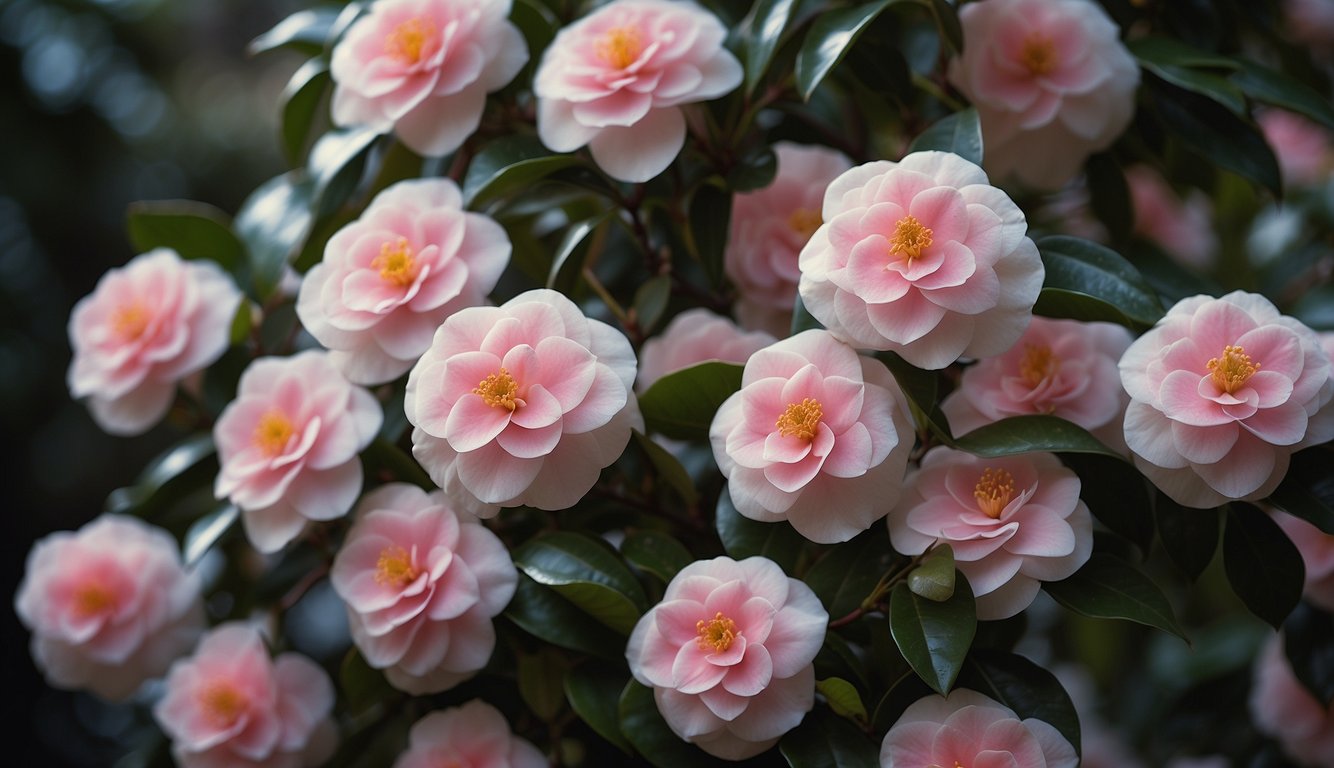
(800, 420)
(408, 40)
(273, 432)
(620, 47)
(92, 599)
(1038, 364)
(716, 633)
(222, 704)
(396, 263)
(395, 568)
(804, 221)
(129, 321)
(1233, 369)
(993, 491)
(499, 390)
(1038, 55)
(910, 238)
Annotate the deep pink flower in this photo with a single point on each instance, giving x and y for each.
(695, 336)
(524, 403)
(1058, 367)
(1283, 708)
(1013, 522)
(728, 653)
(817, 436)
(145, 327)
(1222, 392)
(288, 445)
(616, 79)
(109, 606)
(474, 735)
(1182, 227)
(1304, 149)
(392, 276)
(922, 257)
(768, 229)
(969, 729)
(1317, 548)
(1051, 81)
(421, 586)
(229, 706)
(423, 68)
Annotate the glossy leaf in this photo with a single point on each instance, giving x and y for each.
(168, 468)
(594, 693)
(755, 169)
(1262, 564)
(1307, 490)
(587, 574)
(382, 454)
(306, 31)
(1270, 86)
(682, 404)
(1107, 587)
(847, 573)
(934, 637)
(1087, 281)
(710, 217)
(1022, 434)
(960, 133)
(194, 230)
(825, 741)
(564, 266)
(1214, 133)
(645, 729)
(656, 553)
(1109, 195)
(1183, 66)
(510, 163)
(1307, 646)
(273, 222)
(1024, 687)
(547, 616)
(768, 21)
(843, 698)
(802, 319)
(337, 162)
(361, 685)
(743, 537)
(920, 387)
(300, 100)
(934, 577)
(537, 23)
(1116, 493)
(1189, 536)
(669, 469)
(828, 41)
(651, 301)
(542, 682)
(207, 531)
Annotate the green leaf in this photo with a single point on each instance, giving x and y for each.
(921, 388)
(510, 163)
(273, 222)
(669, 469)
(1022, 434)
(710, 216)
(1211, 131)
(1306, 643)
(960, 133)
(828, 41)
(564, 269)
(1109, 195)
(656, 553)
(934, 637)
(825, 741)
(304, 30)
(934, 577)
(337, 162)
(1281, 90)
(588, 574)
(1107, 587)
(300, 100)
(382, 454)
(170, 475)
(537, 23)
(542, 682)
(843, 698)
(1024, 687)
(1262, 564)
(1167, 50)
(1189, 536)
(1180, 65)
(594, 693)
(1087, 281)
(802, 319)
(193, 230)
(947, 21)
(644, 727)
(651, 301)
(1116, 493)
(682, 404)
(1307, 490)
(207, 531)
(767, 22)
(362, 686)
(755, 169)
(847, 573)
(547, 616)
(743, 537)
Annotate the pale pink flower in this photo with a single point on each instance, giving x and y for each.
(524, 403)
(475, 735)
(817, 436)
(617, 78)
(1304, 149)
(1182, 227)
(695, 336)
(423, 68)
(1222, 392)
(728, 654)
(1051, 81)
(1283, 708)
(1317, 549)
(768, 229)
(288, 445)
(145, 327)
(969, 729)
(1059, 367)
(421, 585)
(230, 706)
(922, 257)
(392, 276)
(1013, 522)
(109, 606)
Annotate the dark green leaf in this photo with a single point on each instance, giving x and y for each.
(920, 387)
(1087, 281)
(843, 698)
(273, 222)
(934, 637)
(848, 573)
(755, 169)
(669, 469)
(542, 682)
(1214, 133)
(960, 133)
(743, 537)
(1307, 490)
(1116, 494)
(170, 475)
(337, 162)
(1167, 50)
(193, 230)
(681, 405)
(537, 23)
(547, 616)
(825, 741)
(1190, 536)
(1273, 87)
(565, 269)
(510, 163)
(1306, 643)
(1024, 687)
(651, 301)
(1107, 587)
(657, 553)
(587, 574)
(710, 216)
(828, 41)
(643, 725)
(802, 320)
(207, 531)
(300, 100)
(768, 20)
(304, 30)
(1109, 196)
(594, 692)
(1181, 65)
(1262, 564)
(1022, 434)
(362, 686)
(382, 454)
(934, 577)
(903, 692)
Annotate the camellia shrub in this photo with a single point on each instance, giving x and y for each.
(671, 382)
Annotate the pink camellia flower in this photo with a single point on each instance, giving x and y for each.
(423, 68)
(817, 436)
(524, 403)
(1303, 148)
(695, 336)
(969, 729)
(1317, 548)
(1283, 708)
(1051, 81)
(230, 705)
(288, 445)
(109, 606)
(391, 277)
(768, 229)
(1013, 522)
(728, 654)
(1222, 392)
(617, 78)
(922, 257)
(145, 327)
(474, 735)
(421, 586)
(1182, 227)
(1059, 367)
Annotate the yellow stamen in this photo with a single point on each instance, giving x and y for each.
(1233, 370)
(910, 238)
(717, 633)
(131, 320)
(499, 390)
(93, 599)
(1038, 365)
(273, 433)
(396, 263)
(620, 47)
(408, 40)
(993, 491)
(395, 568)
(1038, 54)
(800, 420)
(222, 704)
(804, 221)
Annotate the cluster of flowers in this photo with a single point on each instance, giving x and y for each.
(527, 402)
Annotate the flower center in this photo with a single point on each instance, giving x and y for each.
(395, 568)
(1038, 365)
(620, 47)
(93, 599)
(273, 433)
(408, 39)
(1038, 55)
(993, 491)
(716, 633)
(131, 320)
(499, 390)
(804, 221)
(396, 263)
(222, 704)
(910, 238)
(800, 420)
(1233, 369)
